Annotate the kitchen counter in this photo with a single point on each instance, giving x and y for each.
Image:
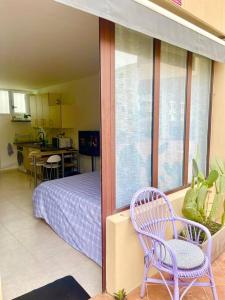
(26, 143)
(46, 148)
(34, 144)
(43, 152)
(64, 153)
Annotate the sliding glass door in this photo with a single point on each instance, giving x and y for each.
(171, 116)
(199, 116)
(133, 96)
(155, 109)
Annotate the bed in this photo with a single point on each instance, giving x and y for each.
(72, 207)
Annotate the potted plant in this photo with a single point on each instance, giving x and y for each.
(120, 295)
(201, 206)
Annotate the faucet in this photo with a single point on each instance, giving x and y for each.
(41, 135)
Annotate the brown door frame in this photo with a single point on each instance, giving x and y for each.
(187, 117)
(155, 116)
(107, 96)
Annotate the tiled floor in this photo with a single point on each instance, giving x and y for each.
(31, 254)
(156, 292)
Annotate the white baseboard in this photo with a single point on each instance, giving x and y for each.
(12, 168)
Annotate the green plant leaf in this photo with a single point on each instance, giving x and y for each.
(190, 208)
(214, 166)
(223, 216)
(213, 175)
(120, 295)
(201, 176)
(220, 165)
(194, 168)
(223, 219)
(221, 183)
(201, 198)
(216, 203)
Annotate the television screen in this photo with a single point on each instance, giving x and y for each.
(89, 143)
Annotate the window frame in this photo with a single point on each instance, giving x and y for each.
(134, 77)
(155, 120)
(107, 99)
(11, 101)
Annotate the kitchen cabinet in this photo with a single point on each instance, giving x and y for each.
(54, 99)
(55, 116)
(33, 110)
(46, 110)
(68, 116)
(39, 110)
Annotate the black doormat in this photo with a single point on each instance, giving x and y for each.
(65, 288)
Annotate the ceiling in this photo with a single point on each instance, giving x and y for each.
(43, 43)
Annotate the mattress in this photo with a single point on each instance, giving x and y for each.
(72, 207)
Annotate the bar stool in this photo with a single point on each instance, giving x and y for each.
(36, 164)
(51, 167)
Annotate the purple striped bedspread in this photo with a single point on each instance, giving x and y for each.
(72, 207)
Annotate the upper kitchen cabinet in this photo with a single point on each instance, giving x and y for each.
(54, 111)
(68, 115)
(54, 99)
(33, 110)
(46, 110)
(39, 111)
(55, 120)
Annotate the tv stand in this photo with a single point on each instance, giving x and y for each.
(92, 164)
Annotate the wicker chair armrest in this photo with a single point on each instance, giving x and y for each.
(162, 246)
(194, 235)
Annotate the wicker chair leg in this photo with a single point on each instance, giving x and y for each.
(176, 291)
(213, 285)
(214, 291)
(142, 290)
(143, 286)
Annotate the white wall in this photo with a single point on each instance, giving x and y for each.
(84, 95)
(8, 130)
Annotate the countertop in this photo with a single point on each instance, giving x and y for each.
(42, 148)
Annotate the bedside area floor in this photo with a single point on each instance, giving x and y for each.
(31, 254)
(159, 292)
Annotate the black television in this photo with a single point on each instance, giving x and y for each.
(89, 143)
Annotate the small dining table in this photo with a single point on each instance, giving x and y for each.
(45, 154)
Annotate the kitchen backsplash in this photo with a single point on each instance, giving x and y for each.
(50, 133)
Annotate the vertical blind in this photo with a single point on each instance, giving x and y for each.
(133, 90)
(171, 116)
(200, 101)
(134, 58)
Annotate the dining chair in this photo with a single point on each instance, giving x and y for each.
(36, 165)
(51, 167)
(180, 259)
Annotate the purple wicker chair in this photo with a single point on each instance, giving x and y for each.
(181, 257)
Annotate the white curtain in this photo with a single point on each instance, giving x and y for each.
(171, 116)
(133, 93)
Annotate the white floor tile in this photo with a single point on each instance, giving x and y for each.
(31, 254)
